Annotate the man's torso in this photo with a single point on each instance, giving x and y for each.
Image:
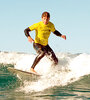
(42, 32)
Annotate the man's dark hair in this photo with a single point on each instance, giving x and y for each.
(46, 14)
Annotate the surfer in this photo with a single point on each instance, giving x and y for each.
(43, 30)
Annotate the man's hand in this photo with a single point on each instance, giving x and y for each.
(63, 36)
(30, 39)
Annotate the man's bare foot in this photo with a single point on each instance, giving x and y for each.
(32, 70)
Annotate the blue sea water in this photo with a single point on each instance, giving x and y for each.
(69, 80)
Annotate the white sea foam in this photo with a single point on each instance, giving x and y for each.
(69, 69)
(10, 57)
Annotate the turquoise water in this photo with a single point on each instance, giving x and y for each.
(10, 86)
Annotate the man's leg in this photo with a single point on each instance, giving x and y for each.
(52, 55)
(41, 54)
(37, 59)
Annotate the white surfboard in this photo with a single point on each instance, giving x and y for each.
(23, 74)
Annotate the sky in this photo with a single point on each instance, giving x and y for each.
(70, 17)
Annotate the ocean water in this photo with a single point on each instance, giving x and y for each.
(69, 80)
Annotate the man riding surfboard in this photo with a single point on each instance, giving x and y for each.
(43, 30)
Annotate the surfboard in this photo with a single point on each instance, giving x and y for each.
(23, 75)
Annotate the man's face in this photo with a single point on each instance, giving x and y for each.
(45, 20)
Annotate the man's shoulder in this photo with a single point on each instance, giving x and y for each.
(38, 23)
(51, 23)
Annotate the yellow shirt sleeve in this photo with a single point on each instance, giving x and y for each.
(53, 28)
(33, 27)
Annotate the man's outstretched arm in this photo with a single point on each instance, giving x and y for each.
(57, 33)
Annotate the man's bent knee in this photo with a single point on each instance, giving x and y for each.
(56, 61)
